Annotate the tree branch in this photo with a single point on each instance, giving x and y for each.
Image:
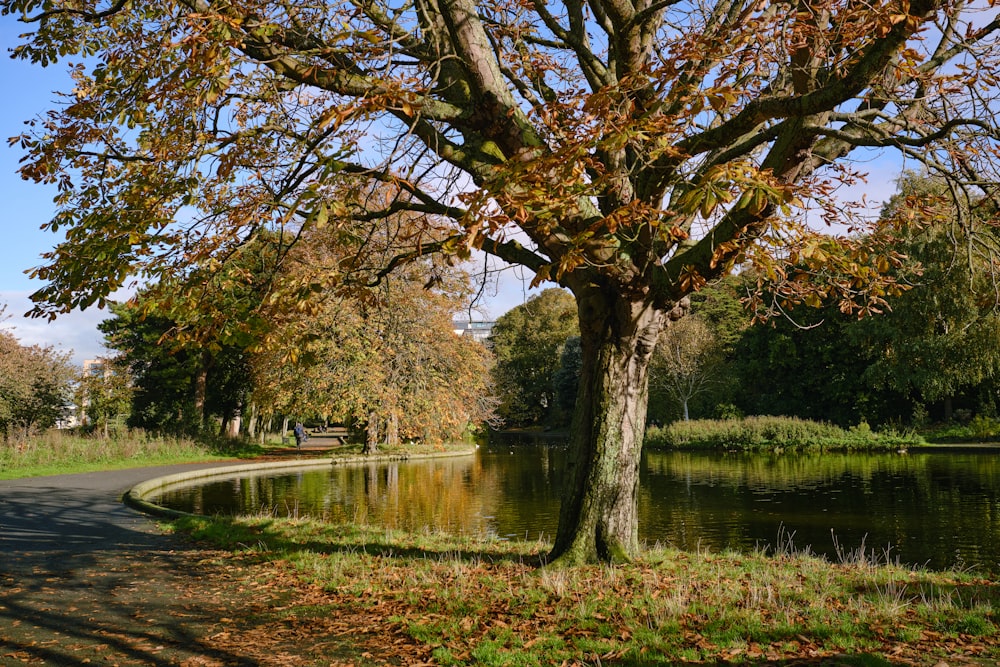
(89, 17)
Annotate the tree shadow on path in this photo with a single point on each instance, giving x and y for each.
(84, 580)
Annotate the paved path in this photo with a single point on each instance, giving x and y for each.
(86, 580)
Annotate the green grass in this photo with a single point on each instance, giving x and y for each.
(978, 429)
(773, 433)
(493, 602)
(60, 452)
(485, 601)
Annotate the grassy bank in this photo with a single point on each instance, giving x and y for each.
(369, 595)
(63, 452)
(976, 430)
(773, 433)
(60, 452)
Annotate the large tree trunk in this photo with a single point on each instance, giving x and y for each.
(598, 518)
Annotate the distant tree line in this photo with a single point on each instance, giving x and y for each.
(932, 355)
(241, 351)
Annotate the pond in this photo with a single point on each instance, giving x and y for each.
(935, 508)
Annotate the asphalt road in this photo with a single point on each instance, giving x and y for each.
(85, 580)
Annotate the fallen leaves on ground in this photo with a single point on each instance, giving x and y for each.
(287, 621)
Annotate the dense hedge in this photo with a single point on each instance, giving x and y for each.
(772, 433)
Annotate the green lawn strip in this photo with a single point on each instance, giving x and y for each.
(488, 600)
(770, 433)
(63, 452)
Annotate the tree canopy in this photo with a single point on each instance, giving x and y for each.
(390, 365)
(941, 335)
(527, 341)
(630, 151)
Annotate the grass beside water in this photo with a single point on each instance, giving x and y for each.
(774, 433)
(60, 452)
(421, 598)
(455, 601)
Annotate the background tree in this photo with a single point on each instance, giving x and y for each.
(178, 383)
(104, 396)
(163, 375)
(527, 342)
(942, 337)
(35, 387)
(936, 343)
(386, 360)
(808, 366)
(566, 380)
(629, 151)
(686, 361)
(720, 308)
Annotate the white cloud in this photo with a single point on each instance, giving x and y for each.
(74, 332)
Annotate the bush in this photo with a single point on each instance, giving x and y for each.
(772, 433)
(980, 429)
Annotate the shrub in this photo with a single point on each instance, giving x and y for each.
(772, 433)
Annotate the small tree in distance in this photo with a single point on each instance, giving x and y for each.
(35, 387)
(685, 362)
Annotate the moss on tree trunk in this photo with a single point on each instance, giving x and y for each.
(598, 518)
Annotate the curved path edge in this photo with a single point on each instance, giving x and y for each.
(137, 496)
(85, 579)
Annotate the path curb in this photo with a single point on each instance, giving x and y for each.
(136, 496)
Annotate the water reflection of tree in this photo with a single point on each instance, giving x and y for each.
(775, 471)
(934, 508)
(448, 494)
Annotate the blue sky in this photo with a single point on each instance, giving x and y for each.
(27, 206)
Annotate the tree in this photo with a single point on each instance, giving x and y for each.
(566, 379)
(809, 366)
(163, 376)
(628, 151)
(940, 336)
(34, 387)
(178, 381)
(104, 395)
(389, 362)
(527, 341)
(710, 383)
(395, 368)
(686, 361)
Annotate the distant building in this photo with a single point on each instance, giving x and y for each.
(480, 331)
(96, 367)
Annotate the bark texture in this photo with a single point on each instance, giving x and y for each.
(598, 517)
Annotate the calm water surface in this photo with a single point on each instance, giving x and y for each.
(939, 509)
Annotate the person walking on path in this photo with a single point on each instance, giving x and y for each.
(300, 435)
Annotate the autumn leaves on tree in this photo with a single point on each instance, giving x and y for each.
(630, 151)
